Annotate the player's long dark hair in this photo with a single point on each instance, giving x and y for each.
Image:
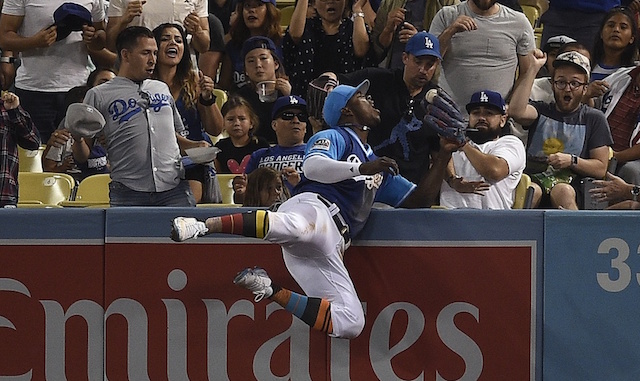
(259, 180)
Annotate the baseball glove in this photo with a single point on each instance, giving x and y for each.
(443, 115)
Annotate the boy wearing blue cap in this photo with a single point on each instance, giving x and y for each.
(484, 173)
(342, 179)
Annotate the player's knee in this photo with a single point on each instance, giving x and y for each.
(352, 326)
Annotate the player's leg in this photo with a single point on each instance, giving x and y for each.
(315, 312)
(249, 224)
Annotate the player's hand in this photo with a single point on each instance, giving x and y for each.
(559, 160)
(381, 164)
(597, 89)
(239, 184)
(10, 100)
(59, 138)
(192, 23)
(463, 24)
(134, 9)
(407, 31)
(290, 175)
(461, 185)
(612, 189)
(206, 85)
(394, 19)
(537, 59)
(283, 86)
(46, 37)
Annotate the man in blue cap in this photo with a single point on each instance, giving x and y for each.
(398, 94)
(289, 121)
(484, 173)
(342, 179)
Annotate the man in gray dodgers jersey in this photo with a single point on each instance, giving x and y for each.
(143, 129)
(342, 178)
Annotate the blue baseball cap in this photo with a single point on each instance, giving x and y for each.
(70, 17)
(287, 102)
(487, 98)
(258, 42)
(423, 44)
(338, 98)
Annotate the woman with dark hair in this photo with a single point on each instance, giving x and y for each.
(616, 45)
(264, 188)
(252, 18)
(193, 94)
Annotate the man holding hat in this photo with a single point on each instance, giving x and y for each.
(567, 139)
(398, 94)
(484, 173)
(342, 179)
(289, 123)
(143, 130)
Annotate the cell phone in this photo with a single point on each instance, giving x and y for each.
(590, 203)
(407, 15)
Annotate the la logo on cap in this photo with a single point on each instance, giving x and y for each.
(292, 100)
(484, 97)
(428, 43)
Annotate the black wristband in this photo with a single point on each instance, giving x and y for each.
(205, 102)
(7, 60)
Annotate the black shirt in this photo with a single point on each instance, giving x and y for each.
(401, 134)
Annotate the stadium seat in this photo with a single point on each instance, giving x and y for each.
(221, 97)
(285, 16)
(226, 186)
(523, 193)
(30, 161)
(92, 191)
(46, 188)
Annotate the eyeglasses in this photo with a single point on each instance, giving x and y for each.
(561, 85)
(288, 115)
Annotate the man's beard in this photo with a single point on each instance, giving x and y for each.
(484, 7)
(483, 136)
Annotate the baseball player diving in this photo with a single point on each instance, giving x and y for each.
(342, 178)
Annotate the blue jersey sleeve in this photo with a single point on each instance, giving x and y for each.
(329, 143)
(394, 190)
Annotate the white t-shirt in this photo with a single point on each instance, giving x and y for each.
(61, 66)
(500, 195)
(156, 12)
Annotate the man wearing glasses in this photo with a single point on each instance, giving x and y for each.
(567, 139)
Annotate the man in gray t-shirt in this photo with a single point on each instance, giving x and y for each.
(143, 129)
(482, 43)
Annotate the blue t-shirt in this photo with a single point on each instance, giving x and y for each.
(278, 158)
(353, 196)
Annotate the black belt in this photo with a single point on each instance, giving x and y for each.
(342, 226)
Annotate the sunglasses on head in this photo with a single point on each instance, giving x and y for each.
(289, 115)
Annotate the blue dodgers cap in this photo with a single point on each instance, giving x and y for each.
(423, 44)
(70, 17)
(258, 42)
(287, 102)
(487, 98)
(338, 98)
